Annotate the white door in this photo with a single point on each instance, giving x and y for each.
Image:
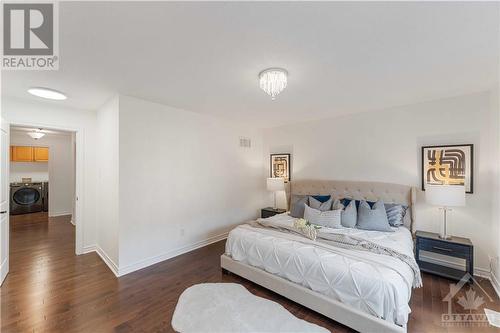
(4, 199)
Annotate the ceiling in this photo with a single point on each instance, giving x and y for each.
(25, 130)
(205, 57)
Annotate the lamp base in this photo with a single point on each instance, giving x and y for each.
(445, 235)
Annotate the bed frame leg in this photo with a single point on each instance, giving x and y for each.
(225, 271)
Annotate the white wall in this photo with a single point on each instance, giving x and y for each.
(59, 171)
(37, 171)
(184, 180)
(108, 170)
(495, 234)
(158, 181)
(385, 146)
(49, 115)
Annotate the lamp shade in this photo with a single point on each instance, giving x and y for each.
(275, 184)
(445, 195)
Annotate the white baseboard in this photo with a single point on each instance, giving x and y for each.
(72, 222)
(3, 270)
(107, 260)
(482, 272)
(170, 254)
(103, 255)
(52, 214)
(495, 283)
(89, 248)
(120, 271)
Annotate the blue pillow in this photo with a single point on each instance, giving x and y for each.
(322, 198)
(346, 202)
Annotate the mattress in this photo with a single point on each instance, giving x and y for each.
(377, 284)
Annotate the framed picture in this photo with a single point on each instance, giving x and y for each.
(448, 165)
(280, 166)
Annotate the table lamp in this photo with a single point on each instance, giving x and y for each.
(275, 185)
(445, 196)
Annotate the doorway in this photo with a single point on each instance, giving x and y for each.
(42, 176)
(71, 210)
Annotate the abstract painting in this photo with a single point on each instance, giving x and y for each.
(448, 165)
(280, 166)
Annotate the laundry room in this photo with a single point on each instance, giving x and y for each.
(42, 175)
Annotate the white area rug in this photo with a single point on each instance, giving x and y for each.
(229, 307)
(493, 317)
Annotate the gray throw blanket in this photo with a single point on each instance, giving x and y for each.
(346, 242)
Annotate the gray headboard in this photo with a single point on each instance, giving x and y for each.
(371, 191)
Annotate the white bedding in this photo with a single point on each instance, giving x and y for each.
(376, 284)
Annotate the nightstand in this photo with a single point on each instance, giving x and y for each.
(455, 247)
(269, 211)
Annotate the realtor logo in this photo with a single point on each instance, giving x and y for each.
(471, 301)
(30, 32)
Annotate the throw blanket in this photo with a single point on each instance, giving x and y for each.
(343, 241)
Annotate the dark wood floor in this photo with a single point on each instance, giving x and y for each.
(49, 289)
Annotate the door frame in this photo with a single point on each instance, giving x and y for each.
(4, 264)
(79, 219)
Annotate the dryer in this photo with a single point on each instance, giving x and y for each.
(45, 196)
(26, 198)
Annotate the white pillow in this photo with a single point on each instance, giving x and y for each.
(329, 218)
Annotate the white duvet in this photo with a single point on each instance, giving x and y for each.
(376, 284)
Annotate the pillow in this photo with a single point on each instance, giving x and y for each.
(395, 214)
(322, 206)
(407, 219)
(373, 218)
(297, 203)
(392, 211)
(329, 218)
(349, 215)
(346, 201)
(321, 198)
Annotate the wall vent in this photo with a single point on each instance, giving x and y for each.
(245, 142)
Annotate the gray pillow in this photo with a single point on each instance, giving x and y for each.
(395, 214)
(327, 218)
(321, 206)
(349, 214)
(374, 218)
(297, 203)
(407, 223)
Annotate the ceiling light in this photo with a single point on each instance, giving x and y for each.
(273, 81)
(47, 93)
(36, 134)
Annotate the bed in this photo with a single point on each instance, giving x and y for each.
(366, 291)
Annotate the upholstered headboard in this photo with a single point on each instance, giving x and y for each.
(371, 191)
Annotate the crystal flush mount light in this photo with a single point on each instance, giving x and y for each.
(273, 81)
(36, 134)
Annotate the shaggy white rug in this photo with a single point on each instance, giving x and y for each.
(229, 307)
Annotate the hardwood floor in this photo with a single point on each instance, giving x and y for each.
(49, 289)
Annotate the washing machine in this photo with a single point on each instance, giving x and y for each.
(45, 196)
(26, 198)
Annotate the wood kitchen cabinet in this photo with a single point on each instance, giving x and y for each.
(29, 154)
(21, 154)
(41, 154)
